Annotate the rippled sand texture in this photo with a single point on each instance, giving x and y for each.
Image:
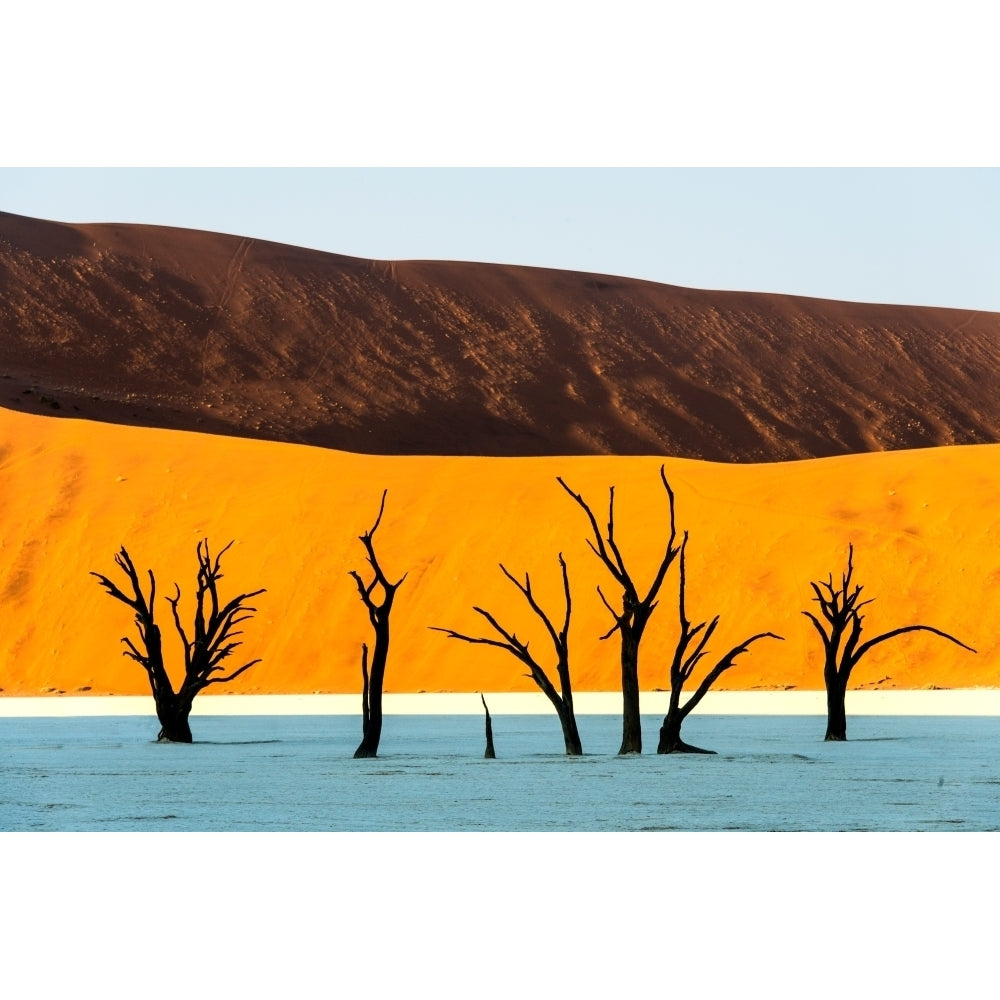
(192, 330)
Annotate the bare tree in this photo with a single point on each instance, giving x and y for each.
(562, 700)
(841, 608)
(212, 641)
(631, 620)
(690, 650)
(378, 613)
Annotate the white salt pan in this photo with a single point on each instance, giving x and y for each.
(971, 701)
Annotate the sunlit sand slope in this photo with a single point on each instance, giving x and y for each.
(925, 526)
(200, 331)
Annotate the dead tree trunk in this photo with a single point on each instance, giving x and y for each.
(686, 657)
(175, 726)
(562, 700)
(365, 706)
(842, 646)
(632, 618)
(378, 614)
(490, 751)
(836, 710)
(215, 629)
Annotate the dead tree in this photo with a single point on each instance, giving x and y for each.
(631, 620)
(212, 641)
(690, 650)
(562, 700)
(491, 753)
(378, 614)
(842, 646)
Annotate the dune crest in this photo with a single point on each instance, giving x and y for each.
(190, 330)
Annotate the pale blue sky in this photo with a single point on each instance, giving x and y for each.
(916, 236)
(559, 89)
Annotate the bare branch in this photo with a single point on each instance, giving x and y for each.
(614, 614)
(381, 510)
(721, 667)
(172, 601)
(511, 637)
(908, 628)
(114, 591)
(819, 628)
(699, 651)
(564, 634)
(682, 586)
(611, 539)
(670, 553)
(367, 540)
(232, 676)
(847, 656)
(133, 652)
(473, 639)
(525, 589)
(598, 544)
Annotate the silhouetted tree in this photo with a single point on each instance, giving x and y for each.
(378, 613)
(562, 700)
(841, 608)
(631, 620)
(686, 657)
(490, 751)
(212, 640)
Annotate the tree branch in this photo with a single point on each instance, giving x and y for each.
(721, 667)
(819, 628)
(599, 548)
(670, 553)
(474, 639)
(232, 676)
(907, 628)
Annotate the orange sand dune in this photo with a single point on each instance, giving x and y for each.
(190, 330)
(925, 525)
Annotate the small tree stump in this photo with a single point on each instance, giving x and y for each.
(490, 751)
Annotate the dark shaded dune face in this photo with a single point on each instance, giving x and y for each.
(184, 329)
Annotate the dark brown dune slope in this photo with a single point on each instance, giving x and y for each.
(185, 329)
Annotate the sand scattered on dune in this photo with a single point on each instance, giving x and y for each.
(924, 525)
